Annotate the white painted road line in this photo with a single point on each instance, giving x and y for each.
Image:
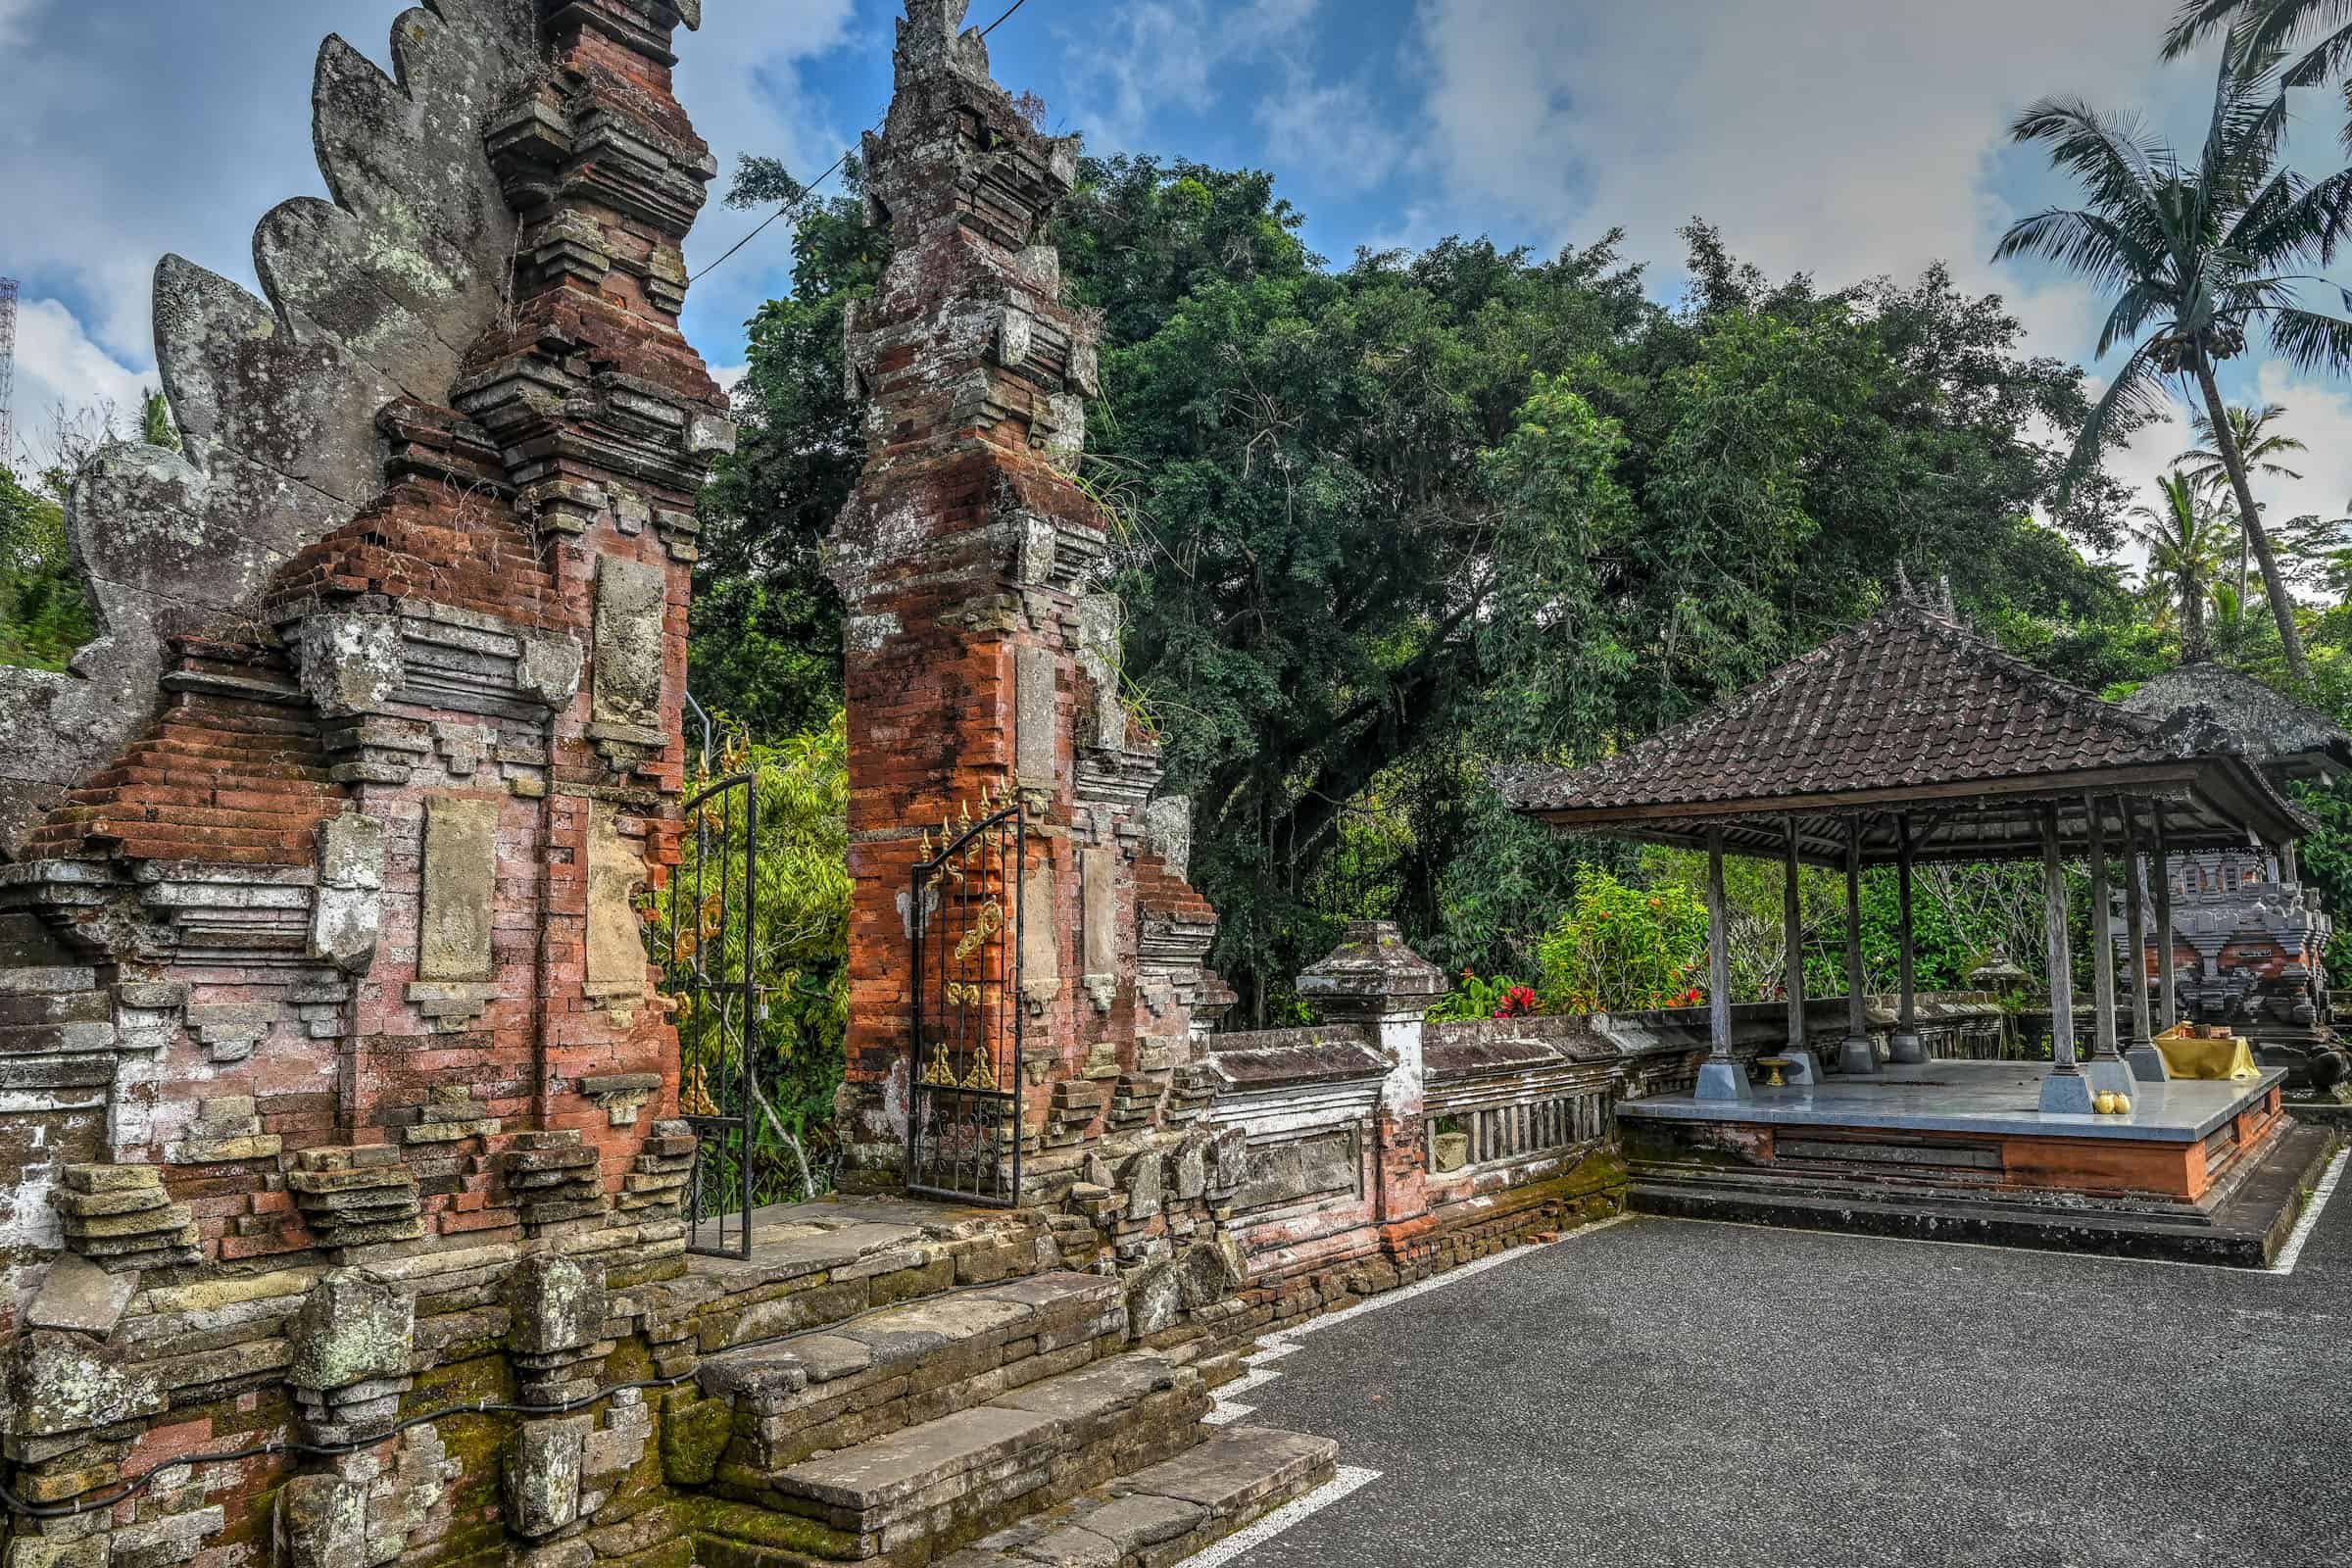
(2288, 1255)
(1346, 1483)
(1274, 1346)
(1436, 1281)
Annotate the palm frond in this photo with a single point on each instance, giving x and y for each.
(2310, 341)
(2133, 393)
(2242, 133)
(2301, 224)
(2138, 305)
(2114, 155)
(2198, 20)
(2084, 242)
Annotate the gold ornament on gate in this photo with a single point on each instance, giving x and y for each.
(990, 922)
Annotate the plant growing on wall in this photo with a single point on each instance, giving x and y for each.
(1620, 948)
(1492, 997)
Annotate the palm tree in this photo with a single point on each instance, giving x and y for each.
(2195, 255)
(2273, 27)
(2187, 538)
(2251, 429)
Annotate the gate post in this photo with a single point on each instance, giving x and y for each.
(1373, 979)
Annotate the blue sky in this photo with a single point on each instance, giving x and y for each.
(1846, 138)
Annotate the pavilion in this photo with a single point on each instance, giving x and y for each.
(1912, 739)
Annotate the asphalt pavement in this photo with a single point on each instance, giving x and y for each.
(1671, 1393)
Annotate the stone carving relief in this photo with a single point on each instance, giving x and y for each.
(616, 940)
(369, 297)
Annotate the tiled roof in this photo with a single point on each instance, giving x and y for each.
(2270, 728)
(1908, 699)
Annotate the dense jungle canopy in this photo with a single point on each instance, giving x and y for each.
(1379, 523)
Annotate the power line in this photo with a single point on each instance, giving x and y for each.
(809, 189)
(793, 204)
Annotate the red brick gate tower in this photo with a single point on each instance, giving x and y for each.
(980, 668)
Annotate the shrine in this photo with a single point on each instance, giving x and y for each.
(1912, 739)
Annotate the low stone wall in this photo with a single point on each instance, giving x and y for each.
(1513, 1128)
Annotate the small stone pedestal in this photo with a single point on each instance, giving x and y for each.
(1373, 979)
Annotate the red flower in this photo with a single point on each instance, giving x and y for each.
(1520, 1002)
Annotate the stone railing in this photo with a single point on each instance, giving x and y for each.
(1381, 1144)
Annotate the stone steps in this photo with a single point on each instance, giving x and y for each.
(888, 1370)
(1168, 1512)
(917, 1493)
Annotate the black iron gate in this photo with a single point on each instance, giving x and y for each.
(964, 1112)
(713, 921)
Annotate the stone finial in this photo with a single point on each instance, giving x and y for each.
(354, 1341)
(1372, 974)
(557, 1309)
(933, 35)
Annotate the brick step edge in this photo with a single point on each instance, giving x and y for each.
(1156, 1516)
(1169, 1511)
(2248, 1231)
(920, 1492)
(906, 1365)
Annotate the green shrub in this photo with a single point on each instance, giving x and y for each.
(1620, 948)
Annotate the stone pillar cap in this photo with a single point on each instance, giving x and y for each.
(1372, 971)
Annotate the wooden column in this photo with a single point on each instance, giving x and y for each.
(1720, 1076)
(2064, 1090)
(1799, 1049)
(2167, 1007)
(2107, 1070)
(2146, 1060)
(1906, 1046)
(1855, 1053)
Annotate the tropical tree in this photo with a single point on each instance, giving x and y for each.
(2185, 537)
(2196, 255)
(2321, 28)
(2261, 446)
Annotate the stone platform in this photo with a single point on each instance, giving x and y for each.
(1957, 1150)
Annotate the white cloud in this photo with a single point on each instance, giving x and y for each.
(1334, 132)
(1151, 54)
(1833, 135)
(2319, 414)
(59, 366)
(14, 14)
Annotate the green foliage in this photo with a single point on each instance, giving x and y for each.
(1476, 996)
(44, 615)
(766, 632)
(799, 957)
(1619, 947)
(155, 421)
(2325, 857)
(1383, 526)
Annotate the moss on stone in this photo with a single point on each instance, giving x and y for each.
(740, 1522)
(692, 1436)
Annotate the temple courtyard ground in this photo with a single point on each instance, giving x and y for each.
(1661, 1392)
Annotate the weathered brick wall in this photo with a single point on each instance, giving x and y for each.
(981, 663)
(336, 1079)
